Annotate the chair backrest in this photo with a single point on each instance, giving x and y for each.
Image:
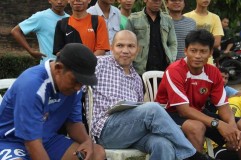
(5, 84)
(90, 107)
(151, 83)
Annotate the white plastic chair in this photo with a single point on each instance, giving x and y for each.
(5, 84)
(151, 91)
(111, 154)
(150, 83)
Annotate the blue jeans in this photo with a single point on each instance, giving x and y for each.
(147, 128)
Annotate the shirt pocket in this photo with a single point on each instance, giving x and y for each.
(165, 32)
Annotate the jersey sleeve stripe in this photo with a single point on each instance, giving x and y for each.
(175, 89)
(222, 101)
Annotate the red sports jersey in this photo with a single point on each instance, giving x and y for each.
(179, 86)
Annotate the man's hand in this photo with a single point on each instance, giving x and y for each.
(230, 133)
(37, 54)
(87, 148)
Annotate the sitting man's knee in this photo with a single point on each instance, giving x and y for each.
(99, 152)
(193, 127)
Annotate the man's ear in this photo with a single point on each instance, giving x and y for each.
(211, 52)
(58, 67)
(111, 47)
(185, 51)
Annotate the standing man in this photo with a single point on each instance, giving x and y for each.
(187, 84)
(40, 101)
(207, 20)
(110, 13)
(227, 39)
(183, 25)
(156, 35)
(147, 127)
(81, 27)
(125, 9)
(43, 25)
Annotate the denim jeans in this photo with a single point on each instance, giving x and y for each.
(148, 128)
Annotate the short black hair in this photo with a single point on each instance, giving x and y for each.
(201, 36)
(223, 70)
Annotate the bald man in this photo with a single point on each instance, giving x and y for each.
(146, 127)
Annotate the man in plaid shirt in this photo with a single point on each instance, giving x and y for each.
(147, 127)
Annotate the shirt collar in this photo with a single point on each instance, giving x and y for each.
(158, 14)
(100, 12)
(48, 69)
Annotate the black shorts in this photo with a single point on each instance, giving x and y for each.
(211, 133)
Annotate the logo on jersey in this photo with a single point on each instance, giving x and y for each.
(194, 83)
(51, 101)
(203, 90)
(68, 33)
(46, 115)
(90, 30)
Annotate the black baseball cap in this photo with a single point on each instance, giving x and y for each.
(81, 60)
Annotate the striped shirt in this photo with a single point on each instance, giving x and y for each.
(113, 86)
(182, 28)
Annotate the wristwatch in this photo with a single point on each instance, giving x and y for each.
(214, 123)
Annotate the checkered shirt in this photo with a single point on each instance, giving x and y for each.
(113, 86)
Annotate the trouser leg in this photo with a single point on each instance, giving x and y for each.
(126, 128)
(158, 147)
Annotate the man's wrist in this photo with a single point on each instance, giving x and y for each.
(215, 123)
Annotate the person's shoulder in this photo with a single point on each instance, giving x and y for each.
(214, 17)
(188, 19)
(178, 66)
(189, 14)
(135, 15)
(115, 9)
(104, 59)
(42, 13)
(32, 76)
(104, 62)
(213, 14)
(165, 15)
(92, 10)
(177, 63)
(211, 70)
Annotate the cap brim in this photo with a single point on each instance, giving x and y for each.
(85, 79)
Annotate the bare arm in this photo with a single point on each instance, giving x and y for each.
(217, 41)
(36, 150)
(227, 126)
(228, 48)
(78, 133)
(19, 36)
(99, 52)
(188, 112)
